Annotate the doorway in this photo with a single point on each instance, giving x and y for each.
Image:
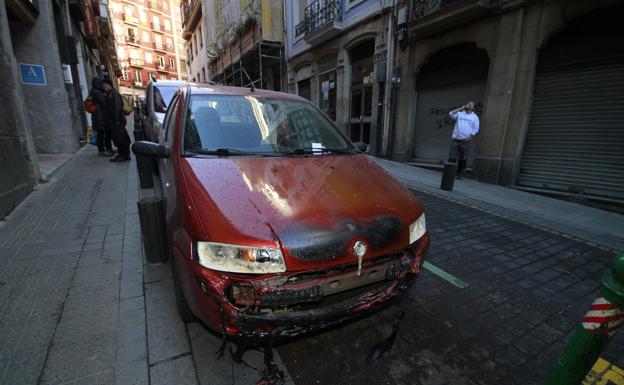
(361, 102)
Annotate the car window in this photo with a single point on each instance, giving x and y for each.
(260, 125)
(170, 121)
(163, 96)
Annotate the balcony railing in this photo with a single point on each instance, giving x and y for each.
(155, 5)
(422, 8)
(137, 62)
(128, 18)
(157, 27)
(132, 40)
(318, 14)
(159, 46)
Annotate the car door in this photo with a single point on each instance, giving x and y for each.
(166, 167)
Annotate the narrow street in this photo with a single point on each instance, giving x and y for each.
(78, 305)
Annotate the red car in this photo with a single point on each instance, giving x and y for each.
(278, 224)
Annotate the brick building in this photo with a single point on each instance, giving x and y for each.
(149, 42)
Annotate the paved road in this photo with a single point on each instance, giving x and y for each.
(527, 290)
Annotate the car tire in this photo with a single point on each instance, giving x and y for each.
(184, 311)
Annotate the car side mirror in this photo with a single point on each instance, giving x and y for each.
(361, 146)
(150, 149)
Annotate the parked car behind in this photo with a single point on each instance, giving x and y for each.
(278, 224)
(157, 99)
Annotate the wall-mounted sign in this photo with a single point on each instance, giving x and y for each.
(67, 75)
(32, 74)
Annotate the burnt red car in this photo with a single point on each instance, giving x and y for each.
(277, 223)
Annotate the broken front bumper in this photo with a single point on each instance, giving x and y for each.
(290, 305)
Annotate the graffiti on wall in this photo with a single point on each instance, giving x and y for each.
(445, 120)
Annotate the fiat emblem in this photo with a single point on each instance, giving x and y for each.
(359, 249)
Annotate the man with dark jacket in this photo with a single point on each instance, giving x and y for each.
(98, 119)
(116, 120)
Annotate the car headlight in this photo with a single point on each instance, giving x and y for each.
(240, 259)
(418, 229)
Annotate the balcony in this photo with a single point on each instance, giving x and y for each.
(157, 27)
(159, 46)
(429, 18)
(132, 40)
(155, 6)
(323, 20)
(160, 67)
(128, 18)
(137, 62)
(191, 14)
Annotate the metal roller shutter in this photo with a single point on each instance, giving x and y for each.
(575, 139)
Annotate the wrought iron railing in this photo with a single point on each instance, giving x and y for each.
(318, 14)
(421, 8)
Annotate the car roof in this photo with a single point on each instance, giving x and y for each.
(213, 89)
(165, 82)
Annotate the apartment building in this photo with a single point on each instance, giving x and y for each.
(149, 42)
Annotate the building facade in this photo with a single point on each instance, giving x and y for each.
(338, 55)
(244, 42)
(193, 32)
(49, 52)
(546, 76)
(149, 42)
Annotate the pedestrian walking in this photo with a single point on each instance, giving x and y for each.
(98, 119)
(466, 127)
(116, 121)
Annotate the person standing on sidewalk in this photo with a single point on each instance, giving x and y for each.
(116, 121)
(98, 119)
(466, 127)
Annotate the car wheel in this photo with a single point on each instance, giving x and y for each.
(184, 311)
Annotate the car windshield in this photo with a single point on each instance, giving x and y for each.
(231, 125)
(162, 97)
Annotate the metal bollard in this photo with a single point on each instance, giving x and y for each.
(144, 167)
(153, 230)
(448, 176)
(597, 328)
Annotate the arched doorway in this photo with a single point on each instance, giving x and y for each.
(449, 79)
(575, 138)
(362, 80)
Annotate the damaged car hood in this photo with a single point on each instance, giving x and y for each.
(315, 208)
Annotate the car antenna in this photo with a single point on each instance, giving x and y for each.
(252, 87)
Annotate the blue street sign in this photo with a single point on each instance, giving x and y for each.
(32, 74)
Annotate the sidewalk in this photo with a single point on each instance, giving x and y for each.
(78, 303)
(589, 224)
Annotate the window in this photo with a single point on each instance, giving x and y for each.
(201, 38)
(163, 77)
(143, 17)
(167, 25)
(161, 62)
(149, 58)
(129, 10)
(182, 66)
(152, 76)
(195, 37)
(169, 43)
(146, 37)
(121, 52)
(137, 76)
(131, 32)
(170, 121)
(134, 54)
(124, 74)
(155, 22)
(203, 74)
(260, 125)
(171, 63)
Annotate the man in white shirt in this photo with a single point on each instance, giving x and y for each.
(466, 127)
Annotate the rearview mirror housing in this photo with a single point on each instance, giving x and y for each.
(361, 146)
(150, 149)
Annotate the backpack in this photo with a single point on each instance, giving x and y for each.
(128, 104)
(89, 106)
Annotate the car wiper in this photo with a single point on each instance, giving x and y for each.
(321, 150)
(223, 152)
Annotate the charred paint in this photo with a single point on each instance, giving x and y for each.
(314, 243)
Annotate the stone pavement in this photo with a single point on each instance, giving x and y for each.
(78, 303)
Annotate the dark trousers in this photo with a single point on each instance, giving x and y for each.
(107, 138)
(121, 140)
(99, 140)
(459, 153)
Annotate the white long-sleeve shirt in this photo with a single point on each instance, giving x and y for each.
(465, 125)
